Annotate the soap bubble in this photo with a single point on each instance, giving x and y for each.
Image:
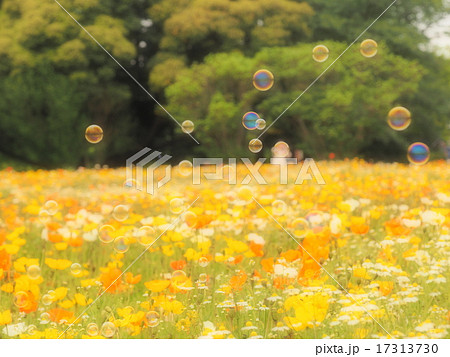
(177, 205)
(249, 120)
(106, 233)
(320, 53)
(146, 236)
(300, 227)
(260, 124)
(399, 118)
(187, 126)
(368, 48)
(263, 80)
(255, 145)
(203, 262)
(185, 168)
(34, 272)
(418, 154)
(94, 134)
(108, 329)
(76, 269)
(279, 208)
(152, 318)
(121, 244)
(92, 329)
(120, 213)
(51, 207)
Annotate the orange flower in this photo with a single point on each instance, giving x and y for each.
(267, 265)
(75, 242)
(394, 227)
(282, 282)
(57, 315)
(130, 279)
(29, 303)
(5, 260)
(238, 281)
(291, 255)
(178, 264)
(111, 280)
(203, 220)
(256, 249)
(237, 259)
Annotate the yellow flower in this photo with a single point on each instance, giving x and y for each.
(66, 304)
(59, 294)
(58, 264)
(5, 317)
(82, 300)
(308, 309)
(157, 286)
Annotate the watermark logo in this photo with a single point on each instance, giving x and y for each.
(306, 170)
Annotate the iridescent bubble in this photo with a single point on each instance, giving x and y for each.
(45, 318)
(255, 145)
(92, 329)
(146, 236)
(369, 48)
(187, 126)
(106, 233)
(185, 168)
(178, 278)
(279, 208)
(320, 53)
(177, 205)
(20, 299)
(76, 269)
(34, 272)
(260, 124)
(94, 134)
(203, 262)
(51, 207)
(399, 118)
(108, 329)
(121, 244)
(315, 218)
(249, 120)
(47, 299)
(263, 80)
(300, 227)
(190, 218)
(152, 318)
(418, 154)
(44, 216)
(202, 278)
(281, 149)
(120, 213)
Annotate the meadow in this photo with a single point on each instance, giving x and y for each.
(364, 256)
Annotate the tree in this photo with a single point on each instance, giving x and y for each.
(344, 112)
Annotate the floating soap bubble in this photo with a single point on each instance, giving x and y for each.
(185, 168)
(20, 299)
(146, 235)
(94, 134)
(121, 244)
(152, 318)
(202, 278)
(34, 272)
(203, 262)
(399, 118)
(191, 219)
(45, 318)
(369, 48)
(279, 207)
(255, 145)
(300, 227)
(51, 207)
(263, 80)
(177, 205)
(249, 120)
(47, 299)
(92, 329)
(76, 269)
(315, 219)
(178, 278)
(44, 216)
(260, 124)
(106, 233)
(418, 154)
(281, 149)
(187, 126)
(120, 213)
(108, 329)
(320, 53)
(31, 330)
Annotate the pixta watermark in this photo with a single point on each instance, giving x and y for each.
(141, 169)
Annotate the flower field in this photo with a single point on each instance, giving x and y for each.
(367, 255)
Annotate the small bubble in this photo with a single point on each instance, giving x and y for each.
(203, 262)
(31, 330)
(418, 154)
(76, 269)
(120, 213)
(178, 278)
(281, 149)
(146, 236)
(44, 216)
(185, 168)
(106, 233)
(92, 329)
(94, 134)
(255, 145)
(202, 278)
(20, 299)
(152, 318)
(51, 207)
(399, 118)
(300, 227)
(47, 299)
(108, 329)
(187, 126)
(249, 120)
(369, 48)
(320, 53)
(191, 219)
(279, 208)
(121, 244)
(177, 205)
(260, 124)
(34, 272)
(263, 80)
(315, 218)
(45, 318)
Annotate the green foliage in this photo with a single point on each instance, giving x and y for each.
(344, 112)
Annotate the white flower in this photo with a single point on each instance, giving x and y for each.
(255, 238)
(432, 217)
(90, 236)
(425, 327)
(15, 330)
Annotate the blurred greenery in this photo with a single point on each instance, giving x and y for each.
(197, 57)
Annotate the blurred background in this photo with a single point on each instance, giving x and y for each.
(198, 57)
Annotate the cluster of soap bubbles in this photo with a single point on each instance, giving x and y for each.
(368, 49)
